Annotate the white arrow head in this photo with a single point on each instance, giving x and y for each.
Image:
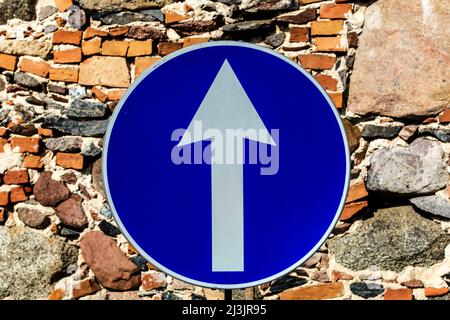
(227, 106)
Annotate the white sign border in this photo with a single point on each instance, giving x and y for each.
(107, 136)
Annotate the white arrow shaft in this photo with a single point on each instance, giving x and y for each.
(227, 217)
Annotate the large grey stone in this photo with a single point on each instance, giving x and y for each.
(21, 9)
(64, 144)
(119, 5)
(91, 128)
(80, 109)
(434, 204)
(393, 239)
(403, 40)
(31, 262)
(26, 47)
(414, 170)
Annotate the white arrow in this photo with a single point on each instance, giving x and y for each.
(227, 106)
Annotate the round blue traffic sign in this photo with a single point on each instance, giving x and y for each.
(226, 165)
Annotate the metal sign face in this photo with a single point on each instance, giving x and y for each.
(226, 165)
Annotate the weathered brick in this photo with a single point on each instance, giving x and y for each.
(327, 28)
(435, 292)
(314, 292)
(4, 198)
(3, 142)
(91, 47)
(398, 294)
(15, 177)
(63, 5)
(116, 94)
(335, 11)
(353, 39)
(118, 31)
(2, 215)
(67, 37)
(165, 48)
(64, 74)
(115, 48)
(189, 41)
(8, 62)
(44, 132)
(142, 63)
(326, 81)
(338, 275)
(25, 144)
(4, 131)
(331, 44)
(56, 294)
(35, 66)
(106, 71)
(99, 94)
(67, 56)
(17, 195)
(140, 48)
(352, 208)
(70, 160)
(299, 34)
(33, 162)
(337, 98)
(317, 61)
(90, 33)
(356, 191)
(308, 1)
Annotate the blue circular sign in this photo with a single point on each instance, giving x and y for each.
(226, 165)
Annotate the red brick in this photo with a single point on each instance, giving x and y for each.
(91, 47)
(37, 67)
(33, 162)
(70, 160)
(2, 215)
(352, 208)
(435, 292)
(327, 28)
(398, 294)
(338, 275)
(85, 287)
(63, 5)
(67, 37)
(142, 63)
(335, 11)
(90, 33)
(115, 48)
(327, 82)
(118, 31)
(67, 56)
(172, 16)
(15, 177)
(45, 132)
(153, 280)
(356, 191)
(317, 61)
(116, 94)
(4, 198)
(337, 98)
(2, 144)
(165, 48)
(25, 144)
(56, 294)
(194, 40)
(445, 116)
(17, 195)
(99, 94)
(140, 48)
(299, 34)
(64, 74)
(314, 292)
(4, 132)
(8, 62)
(330, 44)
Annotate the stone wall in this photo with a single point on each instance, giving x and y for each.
(64, 65)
